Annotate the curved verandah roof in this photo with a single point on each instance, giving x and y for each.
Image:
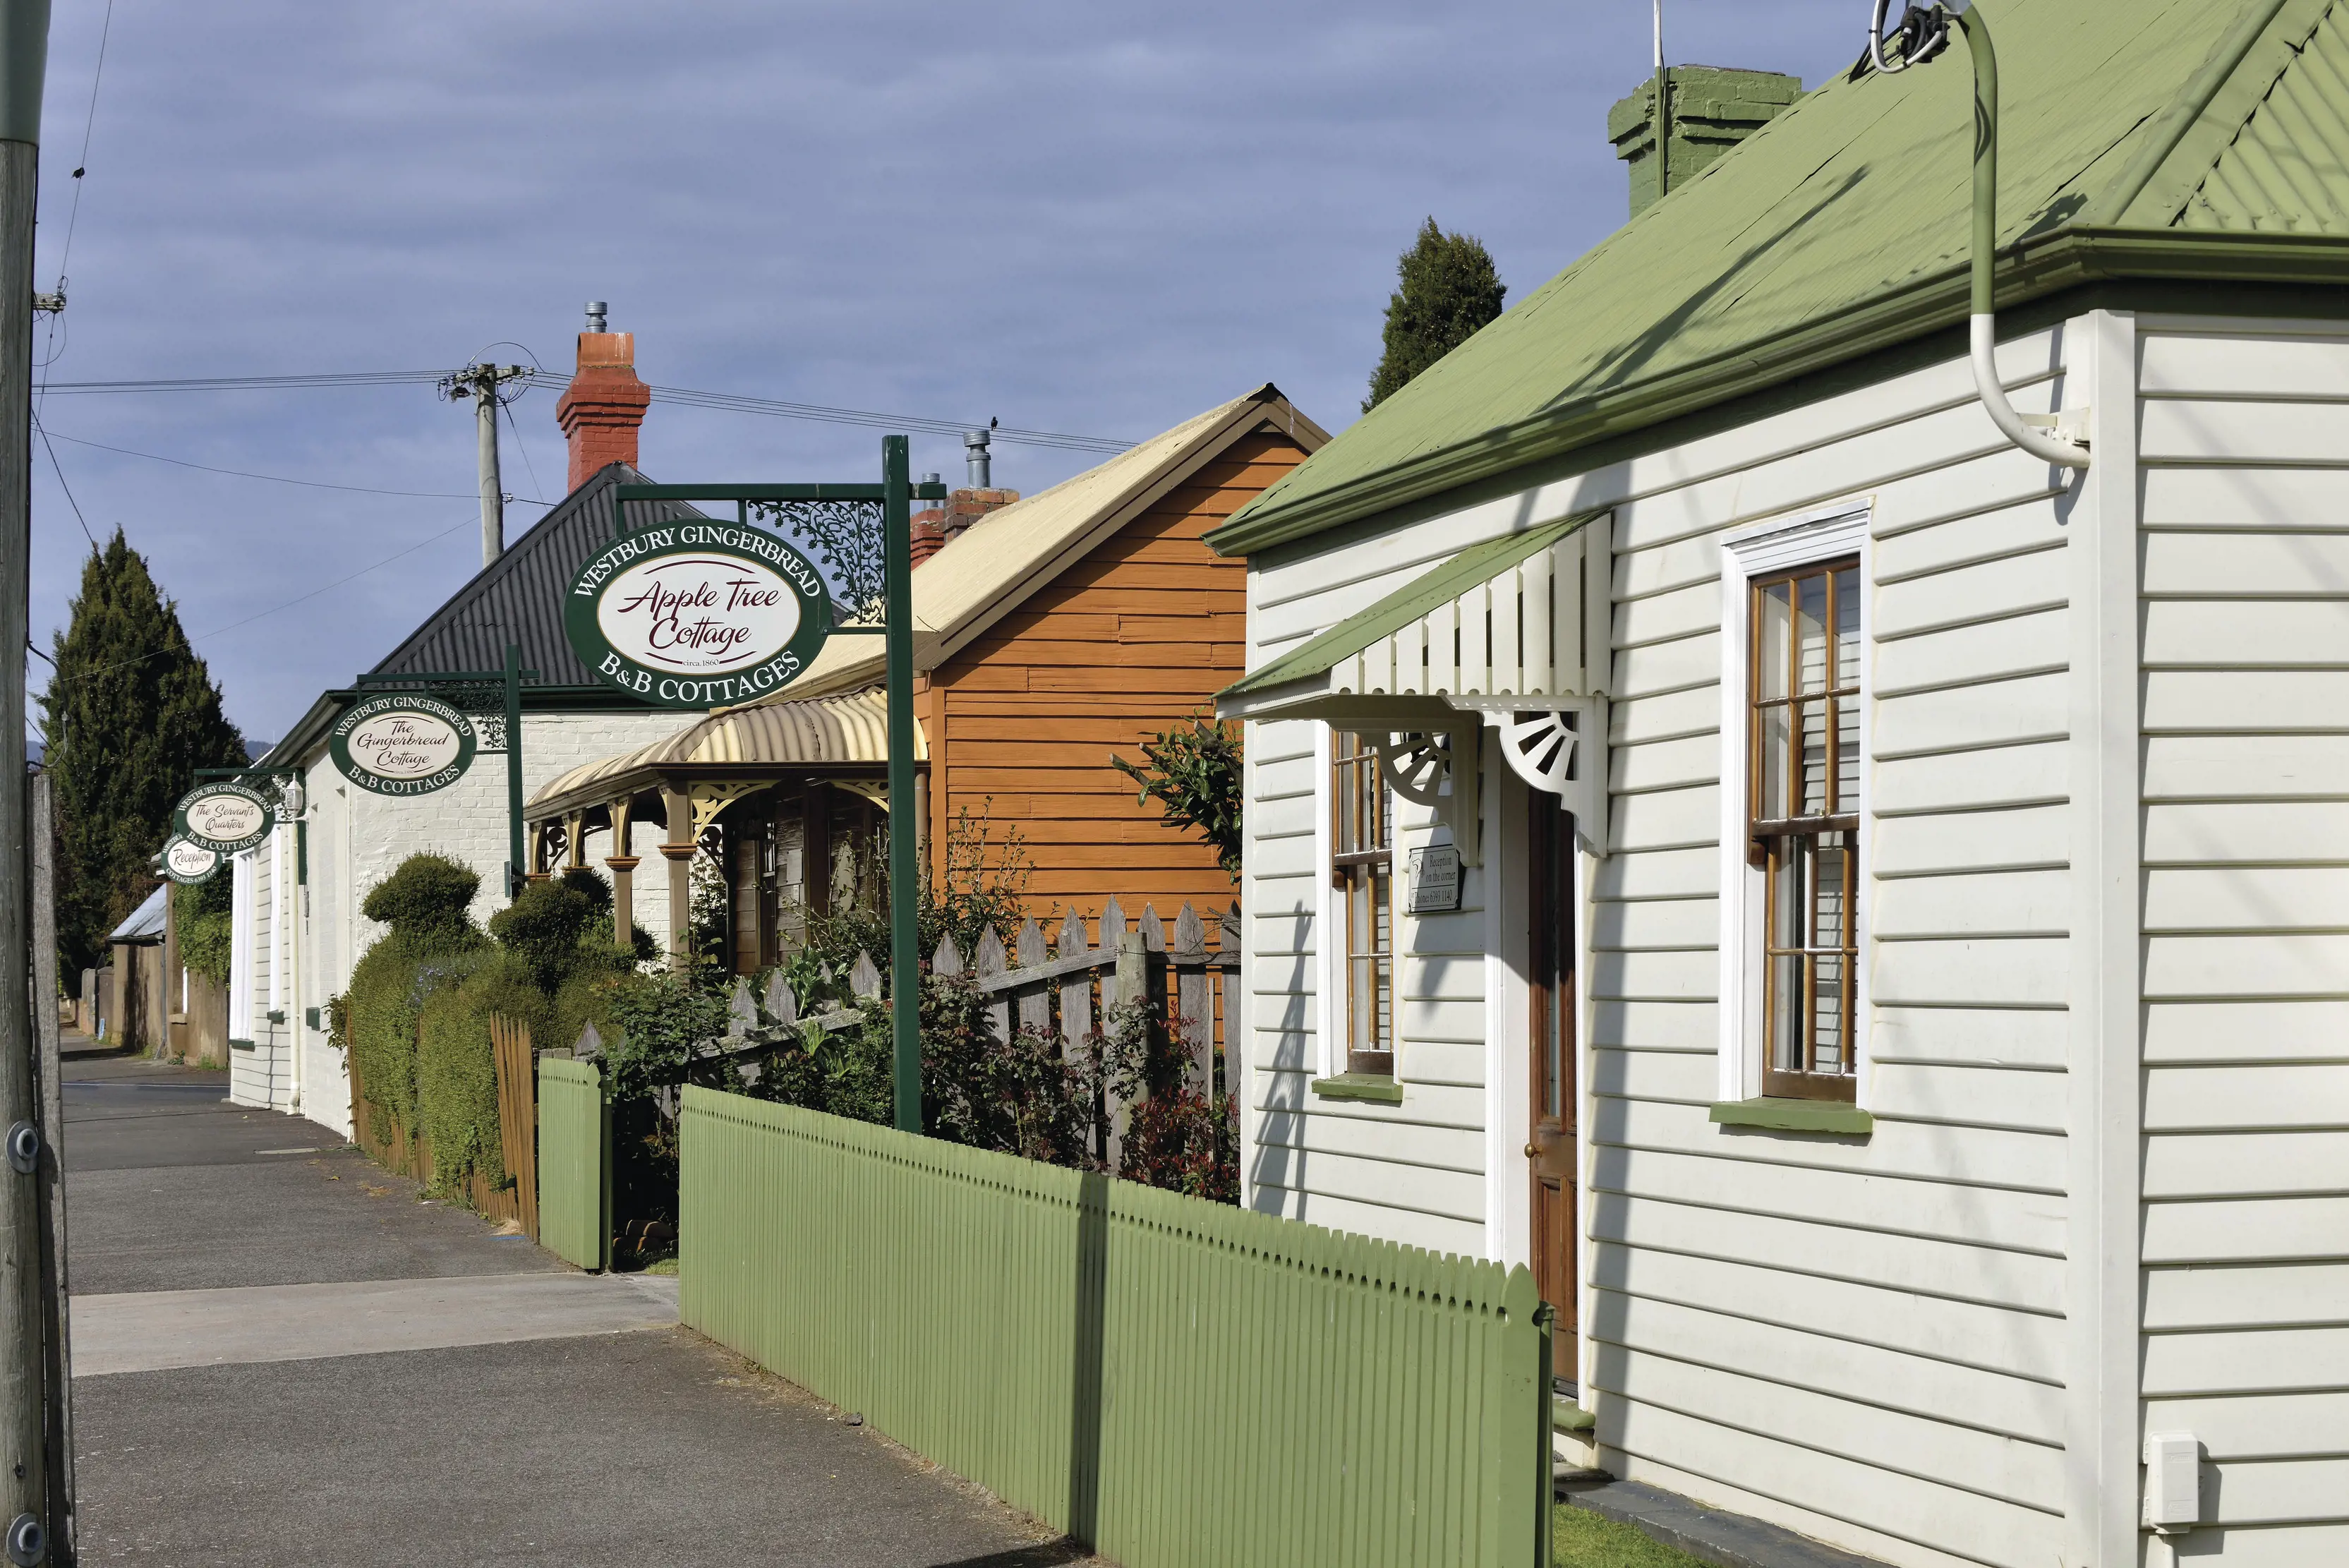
(847, 733)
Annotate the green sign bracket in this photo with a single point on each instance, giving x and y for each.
(510, 678)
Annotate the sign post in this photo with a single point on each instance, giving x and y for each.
(905, 894)
(668, 653)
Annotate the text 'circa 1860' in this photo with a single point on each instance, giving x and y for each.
(697, 614)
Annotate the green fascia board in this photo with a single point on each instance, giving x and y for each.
(1837, 228)
(1793, 1116)
(1438, 585)
(1359, 1086)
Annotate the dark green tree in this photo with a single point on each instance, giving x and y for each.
(129, 715)
(1449, 289)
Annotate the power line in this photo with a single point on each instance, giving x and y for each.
(105, 31)
(59, 470)
(289, 604)
(684, 396)
(529, 466)
(280, 479)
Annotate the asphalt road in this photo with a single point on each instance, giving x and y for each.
(311, 1398)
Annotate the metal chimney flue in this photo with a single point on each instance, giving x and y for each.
(974, 450)
(596, 309)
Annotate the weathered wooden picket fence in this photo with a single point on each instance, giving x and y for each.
(407, 1151)
(1063, 987)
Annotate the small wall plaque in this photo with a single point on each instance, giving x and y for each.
(1434, 879)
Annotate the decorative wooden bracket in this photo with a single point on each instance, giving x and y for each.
(1561, 750)
(1439, 770)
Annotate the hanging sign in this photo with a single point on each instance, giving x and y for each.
(225, 818)
(184, 860)
(697, 614)
(402, 743)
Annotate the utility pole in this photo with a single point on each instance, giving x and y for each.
(24, 1480)
(481, 383)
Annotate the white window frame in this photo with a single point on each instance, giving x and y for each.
(1821, 533)
(1334, 1015)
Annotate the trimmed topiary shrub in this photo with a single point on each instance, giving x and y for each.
(432, 944)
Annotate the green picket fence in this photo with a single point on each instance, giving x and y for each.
(1179, 1384)
(574, 1163)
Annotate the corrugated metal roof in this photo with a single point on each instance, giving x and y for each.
(854, 728)
(1860, 192)
(518, 597)
(997, 562)
(2287, 169)
(146, 923)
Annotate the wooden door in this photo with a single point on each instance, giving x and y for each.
(1549, 1152)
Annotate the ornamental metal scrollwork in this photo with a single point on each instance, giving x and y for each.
(844, 536)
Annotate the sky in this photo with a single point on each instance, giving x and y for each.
(1070, 217)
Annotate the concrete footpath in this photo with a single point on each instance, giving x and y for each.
(282, 1355)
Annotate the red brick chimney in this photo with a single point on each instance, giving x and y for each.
(605, 402)
(929, 533)
(965, 507)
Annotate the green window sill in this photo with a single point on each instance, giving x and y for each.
(1359, 1086)
(1566, 1415)
(1795, 1115)
(240, 1044)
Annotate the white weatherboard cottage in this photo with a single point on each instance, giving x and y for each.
(1907, 1030)
(298, 928)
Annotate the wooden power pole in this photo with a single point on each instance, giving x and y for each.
(24, 1482)
(481, 383)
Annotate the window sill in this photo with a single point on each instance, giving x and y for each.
(1566, 1416)
(1359, 1087)
(240, 1044)
(1795, 1115)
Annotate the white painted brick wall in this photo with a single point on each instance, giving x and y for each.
(357, 838)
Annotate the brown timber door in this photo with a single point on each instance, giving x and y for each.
(1550, 1149)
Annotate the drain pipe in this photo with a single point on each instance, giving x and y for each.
(1923, 36)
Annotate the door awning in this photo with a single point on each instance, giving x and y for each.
(1517, 621)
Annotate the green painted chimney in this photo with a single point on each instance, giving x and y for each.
(1710, 108)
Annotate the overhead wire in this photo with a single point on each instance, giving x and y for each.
(684, 396)
(81, 168)
(59, 468)
(280, 479)
(289, 604)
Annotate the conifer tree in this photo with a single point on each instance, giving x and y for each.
(129, 715)
(1450, 289)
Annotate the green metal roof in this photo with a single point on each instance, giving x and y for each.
(2174, 139)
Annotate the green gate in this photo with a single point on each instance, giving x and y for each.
(1177, 1382)
(574, 1163)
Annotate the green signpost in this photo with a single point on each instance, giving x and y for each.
(841, 522)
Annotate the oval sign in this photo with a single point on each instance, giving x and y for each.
(184, 860)
(402, 744)
(226, 817)
(697, 614)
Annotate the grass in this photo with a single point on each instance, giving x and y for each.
(1581, 1539)
(661, 1266)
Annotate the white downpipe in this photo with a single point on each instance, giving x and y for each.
(2041, 444)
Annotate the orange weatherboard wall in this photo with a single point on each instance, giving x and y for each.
(1131, 639)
